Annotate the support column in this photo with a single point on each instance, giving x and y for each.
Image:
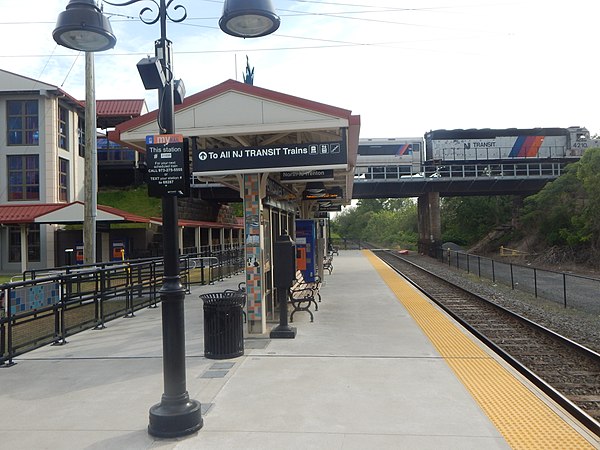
(198, 238)
(257, 321)
(180, 240)
(24, 255)
(104, 247)
(430, 229)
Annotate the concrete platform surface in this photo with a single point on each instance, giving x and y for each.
(362, 376)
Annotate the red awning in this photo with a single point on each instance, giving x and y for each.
(14, 214)
(62, 213)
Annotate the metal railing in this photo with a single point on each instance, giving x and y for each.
(49, 305)
(567, 289)
(484, 170)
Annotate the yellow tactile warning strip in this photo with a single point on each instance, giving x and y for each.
(524, 420)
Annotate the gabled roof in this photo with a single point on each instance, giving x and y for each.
(110, 113)
(62, 213)
(14, 214)
(53, 213)
(131, 107)
(234, 114)
(12, 82)
(233, 108)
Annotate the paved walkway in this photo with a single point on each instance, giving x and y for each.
(362, 376)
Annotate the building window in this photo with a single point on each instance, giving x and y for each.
(81, 135)
(63, 128)
(23, 177)
(33, 243)
(22, 122)
(63, 180)
(112, 152)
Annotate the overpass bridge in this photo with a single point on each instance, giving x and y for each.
(519, 178)
(510, 178)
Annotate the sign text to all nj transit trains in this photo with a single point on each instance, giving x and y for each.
(252, 159)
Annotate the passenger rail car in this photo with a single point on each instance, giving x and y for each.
(493, 145)
(405, 154)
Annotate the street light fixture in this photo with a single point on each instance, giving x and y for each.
(82, 26)
(248, 19)
(176, 414)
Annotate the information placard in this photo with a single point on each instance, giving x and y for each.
(168, 165)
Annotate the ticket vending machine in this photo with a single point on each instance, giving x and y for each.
(79, 253)
(118, 251)
(306, 249)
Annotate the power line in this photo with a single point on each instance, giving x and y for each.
(338, 15)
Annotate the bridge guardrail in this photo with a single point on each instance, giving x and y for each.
(486, 170)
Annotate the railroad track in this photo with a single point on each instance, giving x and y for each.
(566, 371)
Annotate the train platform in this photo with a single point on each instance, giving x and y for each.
(379, 368)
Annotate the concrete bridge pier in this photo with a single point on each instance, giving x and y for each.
(430, 229)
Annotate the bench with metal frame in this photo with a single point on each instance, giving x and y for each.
(302, 294)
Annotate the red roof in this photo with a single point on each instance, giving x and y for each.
(129, 217)
(133, 108)
(21, 214)
(110, 113)
(232, 85)
(17, 214)
(26, 213)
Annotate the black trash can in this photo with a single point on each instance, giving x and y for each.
(223, 324)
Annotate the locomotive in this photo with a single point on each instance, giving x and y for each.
(507, 144)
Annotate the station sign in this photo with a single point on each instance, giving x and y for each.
(275, 158)
(307, 175)
(330, 208)
(168, 165)
(323, 194)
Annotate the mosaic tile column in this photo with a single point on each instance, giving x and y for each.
(257, 321)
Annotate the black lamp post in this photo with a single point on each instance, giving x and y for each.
(83, 27)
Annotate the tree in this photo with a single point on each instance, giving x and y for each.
(390, 222)
(554, 208)
(465, 220)
(588, 170)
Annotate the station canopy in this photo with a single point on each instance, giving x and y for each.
(236, 128)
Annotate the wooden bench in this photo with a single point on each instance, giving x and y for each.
(303, 294)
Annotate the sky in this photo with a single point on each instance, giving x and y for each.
(405, 66)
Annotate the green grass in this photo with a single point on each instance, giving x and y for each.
(5, 278)
(133, 200)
